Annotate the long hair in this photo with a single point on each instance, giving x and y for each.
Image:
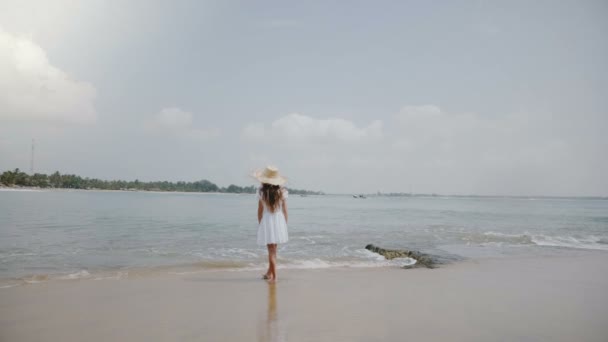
(271, 195)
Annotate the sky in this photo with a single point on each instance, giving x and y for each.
(447, 97)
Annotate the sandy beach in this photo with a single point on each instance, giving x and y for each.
(502, 299)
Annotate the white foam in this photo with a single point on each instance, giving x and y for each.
(224, 253)
(16, 255)
(118, 275)
(503, 234)
(522, 238)
(306, 264)
(307, 239)
(369, 254)
(401, 262)
(320, 264)
(35, 281)
(82, 274)
(310, 239)
(361, 258)
(497, 239)
(591, 242)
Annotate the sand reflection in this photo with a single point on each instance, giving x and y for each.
(272, 329)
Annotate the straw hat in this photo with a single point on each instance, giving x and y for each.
(270, 175)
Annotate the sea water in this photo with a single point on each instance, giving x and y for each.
(84, 234)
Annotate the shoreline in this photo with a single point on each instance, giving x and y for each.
(38, 189)
(199, 267)
(552, 299)
(232, 266)
(370, 195)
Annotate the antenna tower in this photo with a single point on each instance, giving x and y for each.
(32, 159)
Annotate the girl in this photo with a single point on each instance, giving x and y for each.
(272, 215)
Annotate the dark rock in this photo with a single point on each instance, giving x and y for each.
(422, 260)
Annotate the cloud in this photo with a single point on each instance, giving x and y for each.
(173, 118)
(514, 137)
(177, 122)
(301, 128)
(428, 127)
(317, 152)
(426, 149)
(31, 89)
(515, 153)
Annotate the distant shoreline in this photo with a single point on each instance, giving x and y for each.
(19, 179)
(39, 189)
(33, 188)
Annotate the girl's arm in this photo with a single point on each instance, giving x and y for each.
(260, 211)
(284, 206)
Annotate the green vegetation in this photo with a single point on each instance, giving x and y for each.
(59, 181)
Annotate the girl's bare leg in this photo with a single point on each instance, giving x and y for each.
(268, 273)
(273, 262)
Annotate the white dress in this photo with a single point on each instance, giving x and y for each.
(273, 226)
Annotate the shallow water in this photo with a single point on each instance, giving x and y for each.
(77, 234)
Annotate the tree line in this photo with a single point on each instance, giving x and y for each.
(67, 181)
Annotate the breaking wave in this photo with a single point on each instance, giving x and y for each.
(591, 242)
(494, 238)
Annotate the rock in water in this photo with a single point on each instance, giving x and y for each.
(421, 259)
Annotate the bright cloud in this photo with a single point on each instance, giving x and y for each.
(422, 147)
(332, 147)
(430, 130)
(423, 127)
(486, 154)
(178, 122)
(298, 127)
(33, 89)
(174, 118)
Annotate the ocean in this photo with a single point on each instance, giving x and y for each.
(63, 234)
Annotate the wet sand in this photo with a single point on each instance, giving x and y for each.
(508, 299)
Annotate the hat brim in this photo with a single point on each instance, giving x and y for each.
(278, 180)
